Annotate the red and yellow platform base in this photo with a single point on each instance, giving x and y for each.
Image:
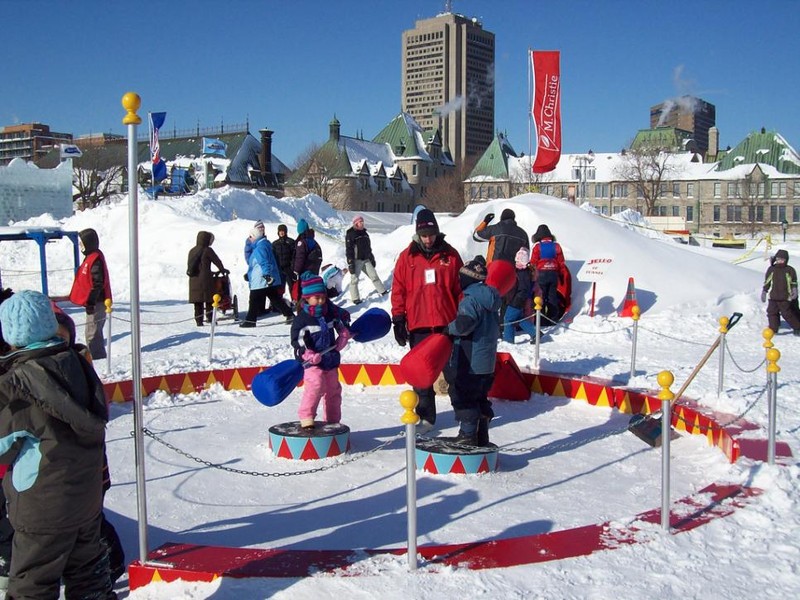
(440, 457)
(289, 440)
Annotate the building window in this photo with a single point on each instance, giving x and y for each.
(676, 189)
(717, 210)
(759, 214)
(762, 190)
(690, 190)
(797, 189)
(690, 213)
(617, 209)
(796, 213)
(717, 189)
(414, 169)
(731, 190)
(734, 213)
(676, 212)
(620, 190)
(777, 213)
(601, 190)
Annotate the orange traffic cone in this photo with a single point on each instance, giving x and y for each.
(630, 300)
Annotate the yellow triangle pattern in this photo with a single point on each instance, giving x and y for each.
(163, 385)
(581, 393)
(188, 386)
(236, 382)
(211, 380)
(156, 576)
(602, 399)
(388, 377)
(536, 386)
(558, 391)
(362, 377)
(117, 396)
(625, 404)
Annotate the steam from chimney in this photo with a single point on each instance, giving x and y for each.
(683, 100)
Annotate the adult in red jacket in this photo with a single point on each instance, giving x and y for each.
(425, 294)
(91, 289)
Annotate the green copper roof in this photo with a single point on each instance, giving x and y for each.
(400, 135)
(494, 162)
(661, 137)
(766, 147)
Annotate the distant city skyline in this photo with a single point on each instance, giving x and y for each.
(292, 66)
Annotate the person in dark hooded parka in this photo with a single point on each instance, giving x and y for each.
(780, 287)
(201, 281)
(53, 416)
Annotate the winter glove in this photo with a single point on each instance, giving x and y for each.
(351, 267)
(793, 295)
(344, 337)
(763, 295)
(295, 276)
(312, 357)
(488, 218)
(90, 309)
(400, 330)
(246, 277)
(268, 280)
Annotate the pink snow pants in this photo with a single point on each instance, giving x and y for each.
(316, 385)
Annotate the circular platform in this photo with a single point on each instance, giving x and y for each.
(289, 440)
(442, 456)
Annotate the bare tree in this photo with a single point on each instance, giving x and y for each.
(314, 169)
(747, 193)
(98, 174)
(648, 167)
(446, 193)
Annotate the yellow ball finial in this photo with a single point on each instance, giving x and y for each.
(131, 103)
(767, 334)
(108, 304)
(409, 401)
(537, 303)
(636, 312)
(723, 324)
(773, 356)
(217, 298)
(665, 379)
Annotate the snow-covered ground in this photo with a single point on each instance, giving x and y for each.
(559, 468)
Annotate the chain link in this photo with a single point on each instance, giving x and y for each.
(351, 458)
(736, 364)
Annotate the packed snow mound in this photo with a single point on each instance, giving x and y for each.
(666, 274)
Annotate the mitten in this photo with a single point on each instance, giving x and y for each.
(295, 276)
(351, 267)
(763, 295)
(268, 280)
(311, 357)
(246, 277)
(344, 337)
(400, 330)
(488, 218)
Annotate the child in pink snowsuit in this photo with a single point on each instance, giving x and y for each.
(314, 331)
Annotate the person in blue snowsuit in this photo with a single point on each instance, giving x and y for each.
(264, 277)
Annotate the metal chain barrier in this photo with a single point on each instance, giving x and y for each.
(721, 426)
(351, 458)
(736, 364)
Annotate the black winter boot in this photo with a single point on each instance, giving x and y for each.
(482, 435)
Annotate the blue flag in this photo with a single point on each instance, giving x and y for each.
(214, 146)
(159, 166)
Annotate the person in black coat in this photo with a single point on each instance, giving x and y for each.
(52, 433)
(283, 249)
(201, 280)
(307, 256)
(505, 238)
(358, 250)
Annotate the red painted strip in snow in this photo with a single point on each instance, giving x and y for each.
(206, 563)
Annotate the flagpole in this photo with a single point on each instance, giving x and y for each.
(131, 102)
(530, 116)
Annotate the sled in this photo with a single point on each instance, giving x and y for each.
(272, 386)
(648, 427)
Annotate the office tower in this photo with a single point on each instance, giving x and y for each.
(448, 81)
(687, 113)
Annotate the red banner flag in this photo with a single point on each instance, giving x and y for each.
(546, 109)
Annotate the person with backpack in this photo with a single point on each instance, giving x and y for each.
(505, 237)
(307, 256)
(201, 279)
(548, 260)
(264, 278)
(283, 249)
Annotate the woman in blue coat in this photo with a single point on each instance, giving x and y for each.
(264, 277)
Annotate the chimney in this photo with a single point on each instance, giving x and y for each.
(266, 155)
(713, 142)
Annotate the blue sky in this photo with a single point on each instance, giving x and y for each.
(290, 66)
